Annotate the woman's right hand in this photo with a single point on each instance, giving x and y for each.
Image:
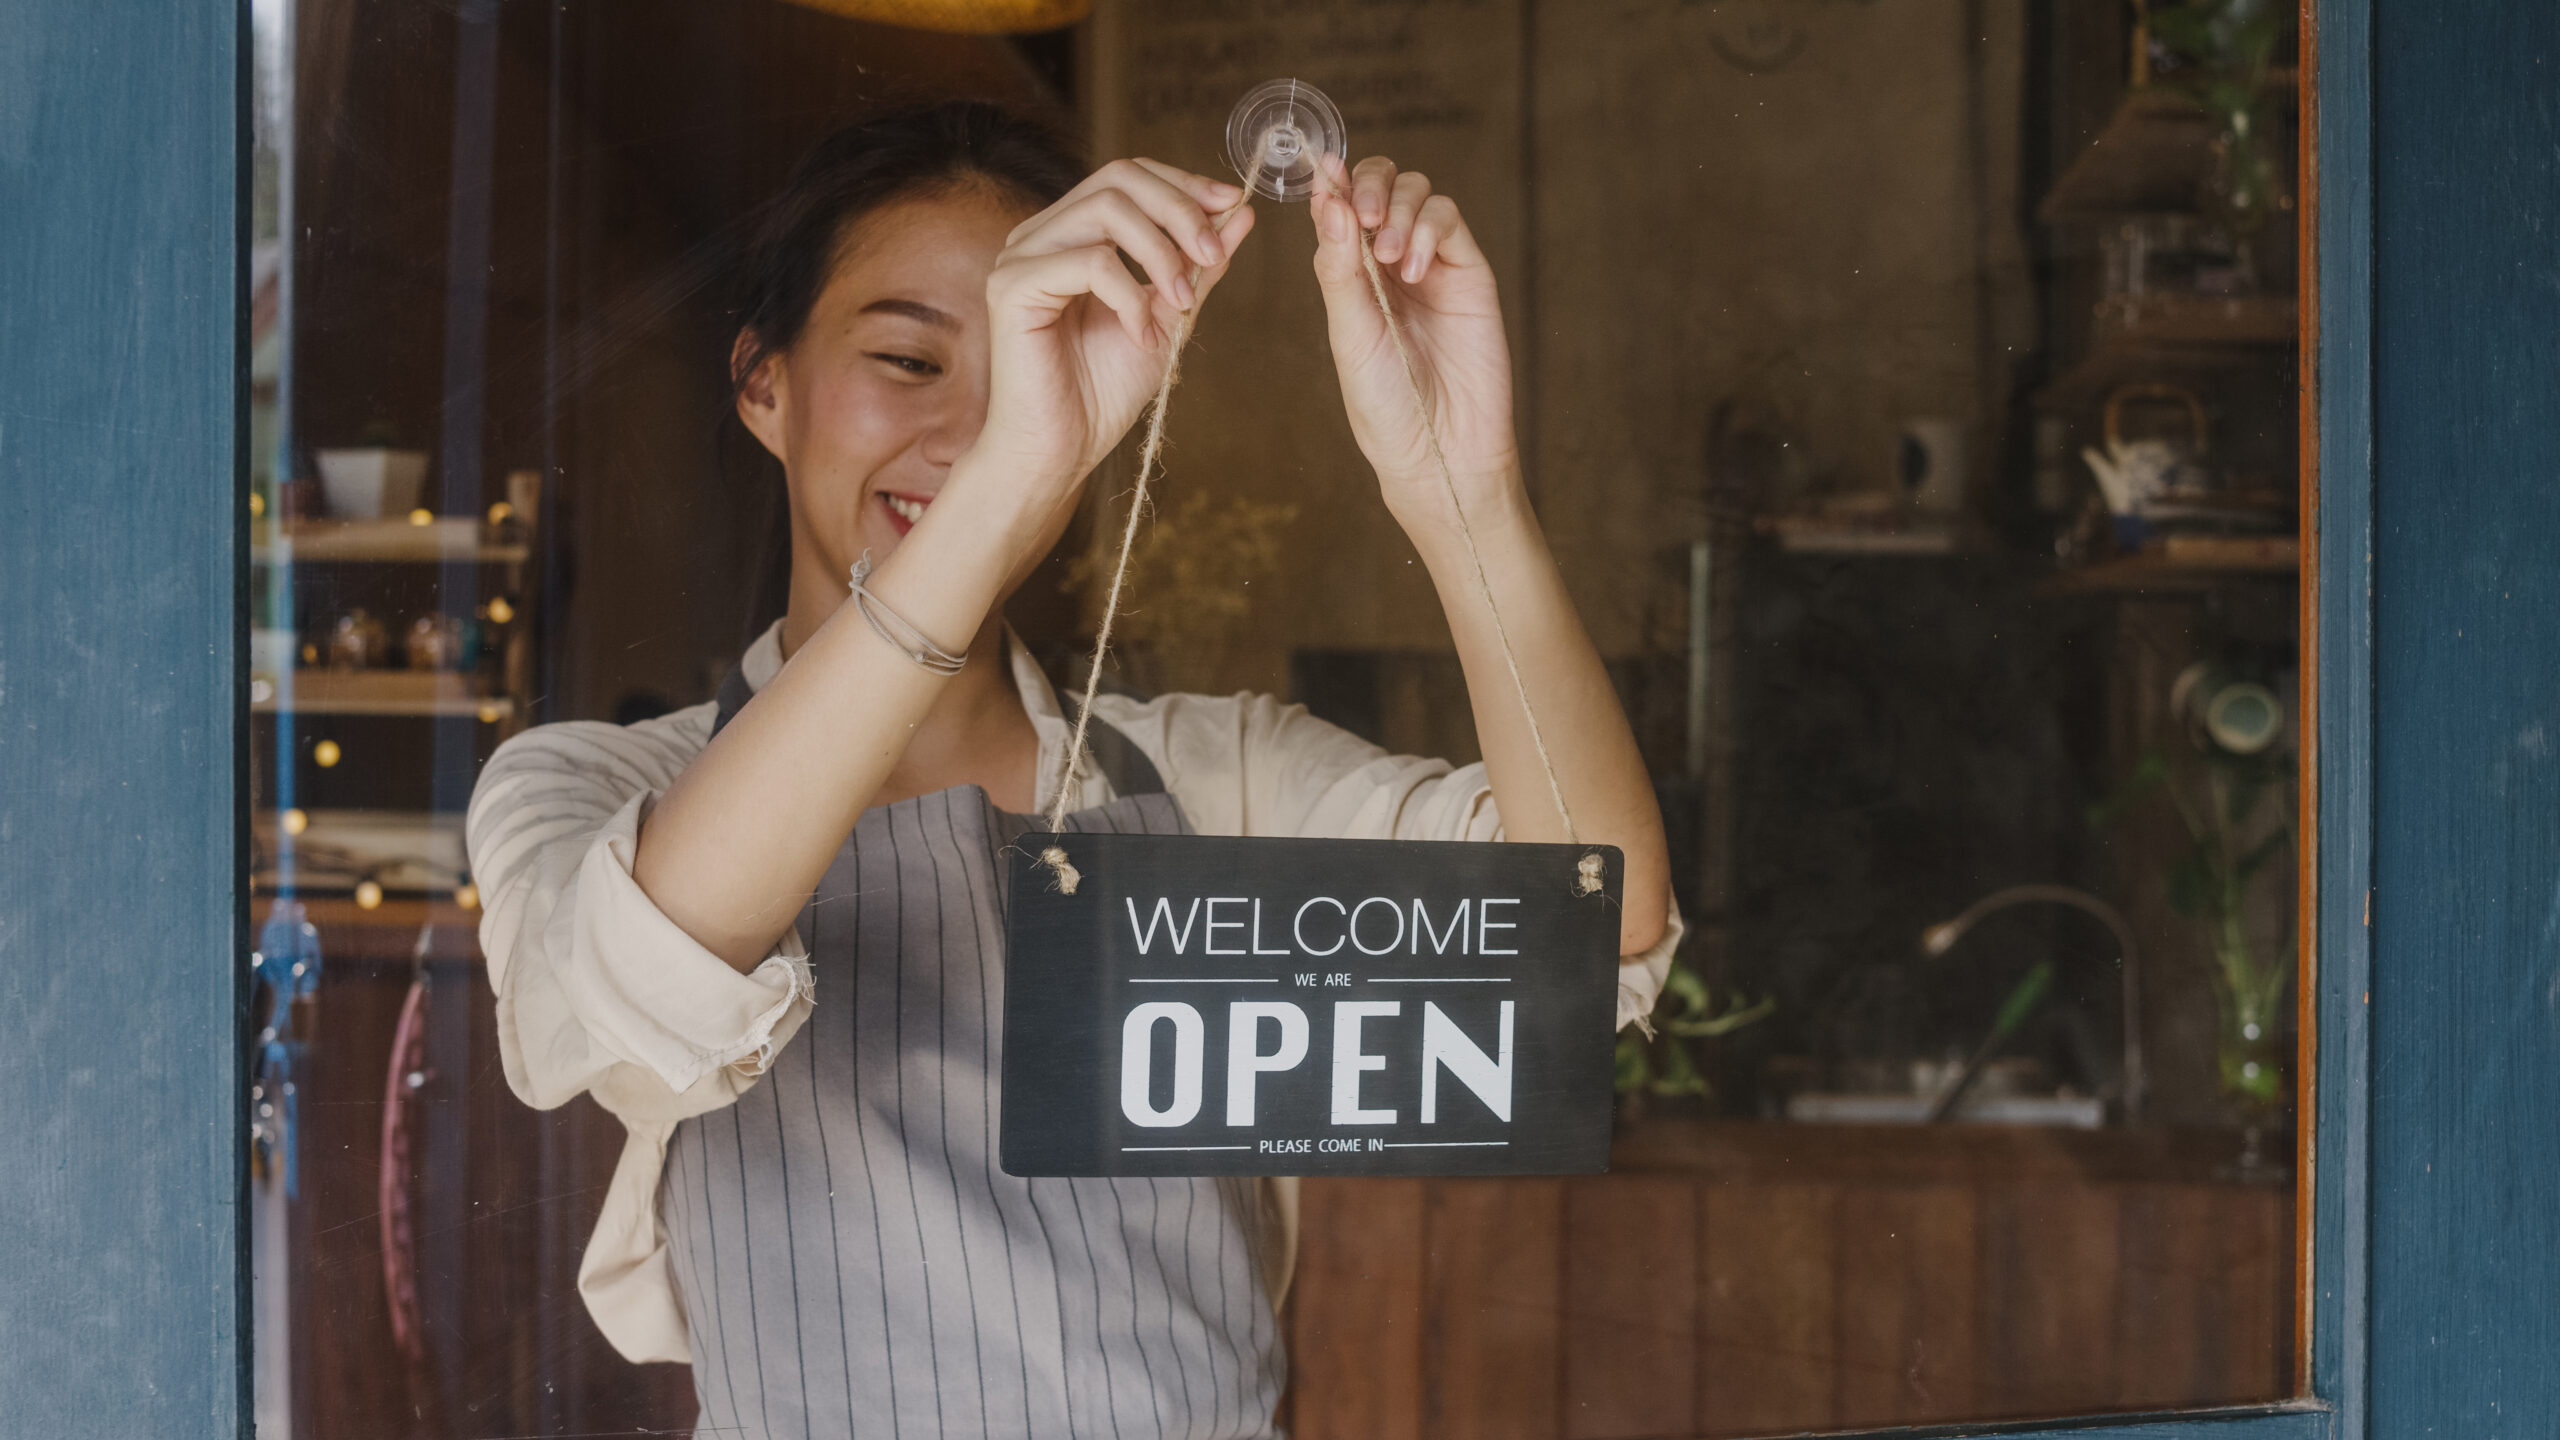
(1077, 343)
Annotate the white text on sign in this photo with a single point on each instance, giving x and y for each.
(1445, 1048)
(1321, 925)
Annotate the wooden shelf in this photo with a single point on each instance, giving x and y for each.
(385, 542)
(436, 693)
(2197, 320)
(406, 852)
(2184, 565)
(1908, 535)
(2149, 159)
(2087, 384)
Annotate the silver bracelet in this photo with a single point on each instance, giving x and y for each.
(893, 627)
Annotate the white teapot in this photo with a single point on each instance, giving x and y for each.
(2133, 473)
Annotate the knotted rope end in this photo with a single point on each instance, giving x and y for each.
(1587, 879)
(1069, 877)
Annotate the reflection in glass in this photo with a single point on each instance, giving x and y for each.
(1908, 394)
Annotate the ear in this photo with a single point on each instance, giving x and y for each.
(760, 392)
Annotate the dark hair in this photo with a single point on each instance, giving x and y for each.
(802, 232)
(864, 167)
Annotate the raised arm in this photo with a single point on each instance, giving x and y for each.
(1442, 291)
(1075, 346)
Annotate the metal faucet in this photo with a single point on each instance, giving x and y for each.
(1940, 938)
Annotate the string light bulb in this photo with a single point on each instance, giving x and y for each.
(490, 713)
(294, 821)
(467, 895)
(501, 610)
(501, 513)
(325, 754)
(257, 504)
(422, 516)
(368, 894)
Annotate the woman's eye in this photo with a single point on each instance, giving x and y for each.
(911, 364)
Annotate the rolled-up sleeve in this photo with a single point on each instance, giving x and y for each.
(1254, 765)
(591, 977)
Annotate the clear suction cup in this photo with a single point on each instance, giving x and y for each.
(1277, 131)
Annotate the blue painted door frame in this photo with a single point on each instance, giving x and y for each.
(2435, 1255)
(122, 374)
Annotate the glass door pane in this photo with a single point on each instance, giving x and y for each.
(1908, 395)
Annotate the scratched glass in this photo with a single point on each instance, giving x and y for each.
(1908, 393)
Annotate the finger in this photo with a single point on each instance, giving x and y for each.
(1213, 195)
(1042, 286)
(1155, 190)
(1372, 182)
(1159, 191)
(1117, 175)
(1439, 233)
(1333, 179)
(1339, 272)
(1239, 225)
(1404, 200)
(1114, 217)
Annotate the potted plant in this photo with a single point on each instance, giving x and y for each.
(2233, 795)
(1654, 1057)
(2218, 53)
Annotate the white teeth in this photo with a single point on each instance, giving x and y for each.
(907, 510)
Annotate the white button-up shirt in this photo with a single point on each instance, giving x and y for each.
(599, 992)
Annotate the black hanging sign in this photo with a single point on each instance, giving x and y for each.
(1219, 1006)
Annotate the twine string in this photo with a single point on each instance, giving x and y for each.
(1588, 869)
(1586, 873)
(1054, 855)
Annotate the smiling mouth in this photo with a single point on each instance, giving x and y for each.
(905, 510)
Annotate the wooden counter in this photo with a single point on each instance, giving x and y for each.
(1726, 1279)
(1735, 1278)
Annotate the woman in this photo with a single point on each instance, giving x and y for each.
(941, 340)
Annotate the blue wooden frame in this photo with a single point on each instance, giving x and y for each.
(2340, 67)
(2434, 1250)
(123, 367)
(2463, 1220)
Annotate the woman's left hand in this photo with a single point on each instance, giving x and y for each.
(1443, 293)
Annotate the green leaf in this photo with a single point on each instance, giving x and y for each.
(1634, 1067)
(2259, 854)
(1679, 1074)
(1724, 1024)
(2023, 1000)
(2151, 772)
(1684, 985)
(2193, 890)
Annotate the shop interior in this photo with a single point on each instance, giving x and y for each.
(1909, 391)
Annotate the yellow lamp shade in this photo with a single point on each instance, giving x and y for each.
(959, 17)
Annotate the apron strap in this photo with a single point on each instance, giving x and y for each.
(1116, 755)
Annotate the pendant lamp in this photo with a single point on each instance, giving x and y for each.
(960, 17)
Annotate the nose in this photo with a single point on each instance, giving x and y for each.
(957, 419)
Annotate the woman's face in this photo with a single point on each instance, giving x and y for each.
(887, 384)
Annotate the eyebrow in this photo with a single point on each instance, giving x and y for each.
(915, 310)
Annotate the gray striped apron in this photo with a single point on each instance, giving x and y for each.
(852, 1260)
